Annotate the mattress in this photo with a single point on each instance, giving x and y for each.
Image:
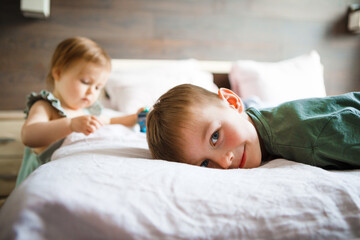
(106, 186)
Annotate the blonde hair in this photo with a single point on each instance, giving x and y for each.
(73, 49)
(172, 113)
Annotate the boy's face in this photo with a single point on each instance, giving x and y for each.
(221, 137)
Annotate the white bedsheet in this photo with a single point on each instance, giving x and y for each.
(104, 186)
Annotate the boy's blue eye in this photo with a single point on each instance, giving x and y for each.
(204, 163)
(214, 138)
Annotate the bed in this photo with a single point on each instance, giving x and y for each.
(106, 186)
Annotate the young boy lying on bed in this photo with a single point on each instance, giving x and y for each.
(192, 125)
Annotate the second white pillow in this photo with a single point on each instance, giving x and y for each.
(278, 82)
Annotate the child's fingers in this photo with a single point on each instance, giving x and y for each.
(140, 110)
(86, 124)
(95, 121)
(93, 124)
(87, 132)
(90, 129)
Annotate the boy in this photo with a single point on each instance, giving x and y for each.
(192, 125)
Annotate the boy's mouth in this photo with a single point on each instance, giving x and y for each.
(243, 160)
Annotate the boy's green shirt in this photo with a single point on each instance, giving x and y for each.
(323, 132)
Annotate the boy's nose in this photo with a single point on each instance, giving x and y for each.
(226, 160)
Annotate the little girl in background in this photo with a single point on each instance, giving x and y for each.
(79, 70)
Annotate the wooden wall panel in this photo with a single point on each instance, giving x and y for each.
(170, 29)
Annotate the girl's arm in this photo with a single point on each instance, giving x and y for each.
(43, 127)
(128, 120)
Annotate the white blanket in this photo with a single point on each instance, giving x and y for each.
(104, 186)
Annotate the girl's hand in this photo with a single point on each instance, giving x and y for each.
(86, 124)
(140, 110)
(128, 120)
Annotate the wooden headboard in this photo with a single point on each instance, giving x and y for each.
(224, 30)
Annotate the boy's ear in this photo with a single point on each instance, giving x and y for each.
(232, 99)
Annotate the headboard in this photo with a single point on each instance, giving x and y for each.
(226, 30)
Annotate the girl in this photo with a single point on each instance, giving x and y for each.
(78, 72)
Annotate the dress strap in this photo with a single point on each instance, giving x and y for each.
(44, 95)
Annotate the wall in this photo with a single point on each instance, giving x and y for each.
(171, 29)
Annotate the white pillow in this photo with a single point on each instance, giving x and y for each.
(278, 82)
(130, 90)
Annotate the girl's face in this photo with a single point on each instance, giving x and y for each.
(79, 86)
(221, 137)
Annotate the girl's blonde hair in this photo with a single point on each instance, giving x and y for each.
(173, 112)
(73, 49)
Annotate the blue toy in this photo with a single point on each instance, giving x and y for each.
(142, 120)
